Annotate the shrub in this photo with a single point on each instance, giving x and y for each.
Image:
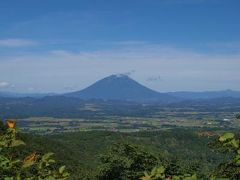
(229, 142)
(34, 166)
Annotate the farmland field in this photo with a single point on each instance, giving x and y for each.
(161, 120)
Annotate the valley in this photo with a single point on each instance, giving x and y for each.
(159, 121)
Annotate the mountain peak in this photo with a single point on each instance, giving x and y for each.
(119, 87)
(118, 76)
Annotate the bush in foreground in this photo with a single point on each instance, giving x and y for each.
(33, 166)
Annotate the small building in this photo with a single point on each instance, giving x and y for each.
(226, 120)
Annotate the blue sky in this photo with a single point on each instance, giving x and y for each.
(167, 45)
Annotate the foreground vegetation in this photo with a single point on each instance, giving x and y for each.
(33, 166)
(176, 154)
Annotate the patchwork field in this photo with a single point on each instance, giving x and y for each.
(161, 120)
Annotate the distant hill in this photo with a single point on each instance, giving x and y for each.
(67, 107)
(20, 95)
(121, 87)
(206, 94)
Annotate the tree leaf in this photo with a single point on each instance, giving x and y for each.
(17, 143)
(61, 169)
(235, 143)
(47, 156)
(226, 136)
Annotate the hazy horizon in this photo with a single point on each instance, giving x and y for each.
(69, 91)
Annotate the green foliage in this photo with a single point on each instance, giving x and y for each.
(125, 161)
(178, 154)
(159, 173)
(180, 151)
(230, 169)
(226, 136)
(32, 167)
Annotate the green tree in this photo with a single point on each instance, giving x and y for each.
(125, 161)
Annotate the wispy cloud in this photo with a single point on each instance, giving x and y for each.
(181, 69)
(154, 78)
(225, 47)
(4, 84)
(17, 42)
(129, 73)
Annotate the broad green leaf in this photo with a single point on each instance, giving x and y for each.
(47, 156)
(238, 151)
(61, 169)
(51, 161)
(65, 174)
(50, 178)
(8, 178)
(28, 164)
(193, 177)
(226, 136)
(212, 178)
(17, 143)
(175, 178)
(235, 143)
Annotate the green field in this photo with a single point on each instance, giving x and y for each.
(160, 120)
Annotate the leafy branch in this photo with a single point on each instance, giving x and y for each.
(32, 167)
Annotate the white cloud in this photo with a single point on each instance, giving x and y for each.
(16, 42)
(180, 69)
(4, 84)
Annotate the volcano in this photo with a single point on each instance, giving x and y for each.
(120, 87)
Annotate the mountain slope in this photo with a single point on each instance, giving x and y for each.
(120, 87)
